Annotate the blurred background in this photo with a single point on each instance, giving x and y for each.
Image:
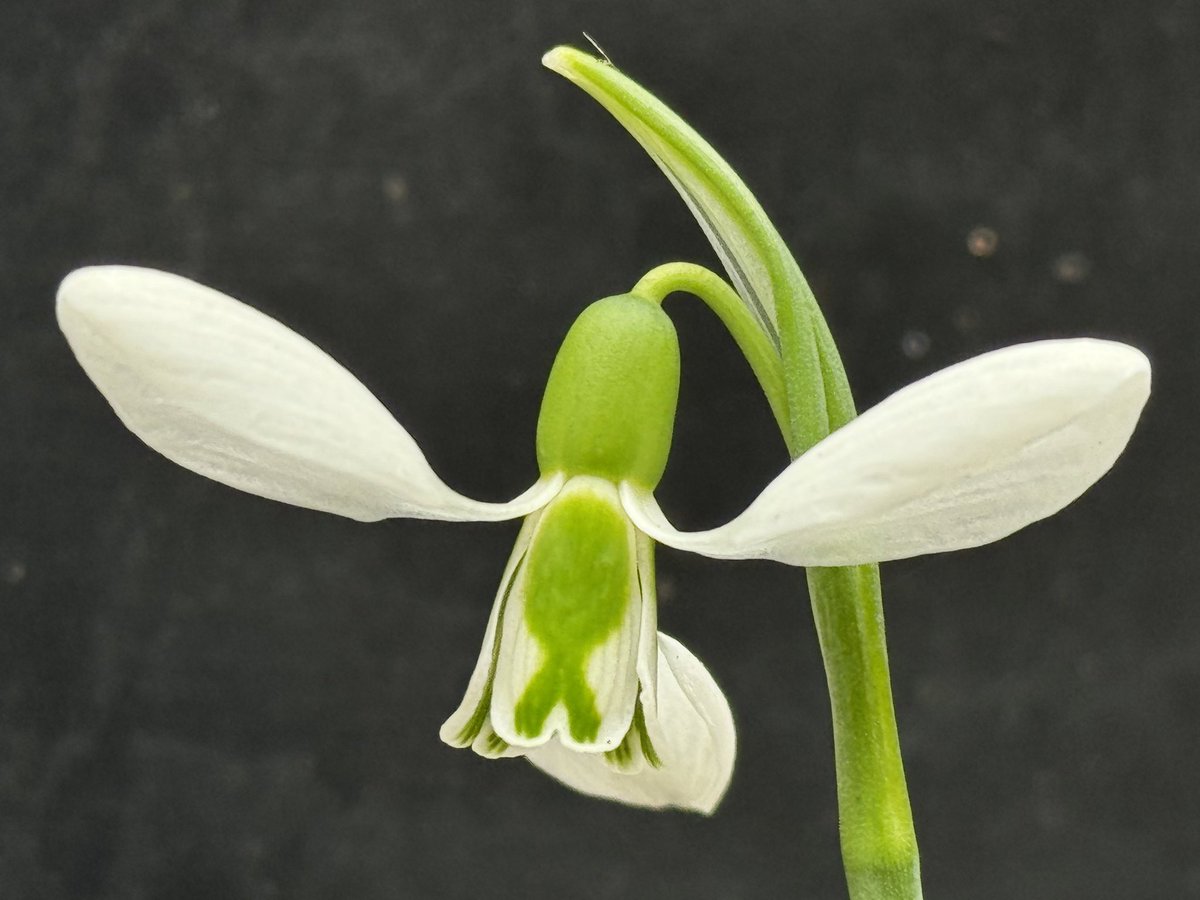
(208, 695)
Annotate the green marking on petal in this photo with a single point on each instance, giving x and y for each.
(635, 747)
(496, 744)
(639, 727)
(577, 589)
(621, 758)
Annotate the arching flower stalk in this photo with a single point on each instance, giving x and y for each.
(573, 673)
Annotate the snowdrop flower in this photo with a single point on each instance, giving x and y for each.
(573, 673)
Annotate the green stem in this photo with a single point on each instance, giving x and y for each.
(724, 301)
(879, 845)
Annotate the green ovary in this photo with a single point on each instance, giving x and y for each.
(609, 406)
(577, 592)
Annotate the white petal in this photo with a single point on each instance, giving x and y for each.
(692, 733)
(229, 392)
(958, 459)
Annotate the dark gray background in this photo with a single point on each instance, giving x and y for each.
(208, 695)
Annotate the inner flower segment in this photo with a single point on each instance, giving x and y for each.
(569, 633)
(577, 592)
(571, 649)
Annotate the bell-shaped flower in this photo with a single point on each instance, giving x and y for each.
(573, 673)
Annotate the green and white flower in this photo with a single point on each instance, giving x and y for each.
(573, 673)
